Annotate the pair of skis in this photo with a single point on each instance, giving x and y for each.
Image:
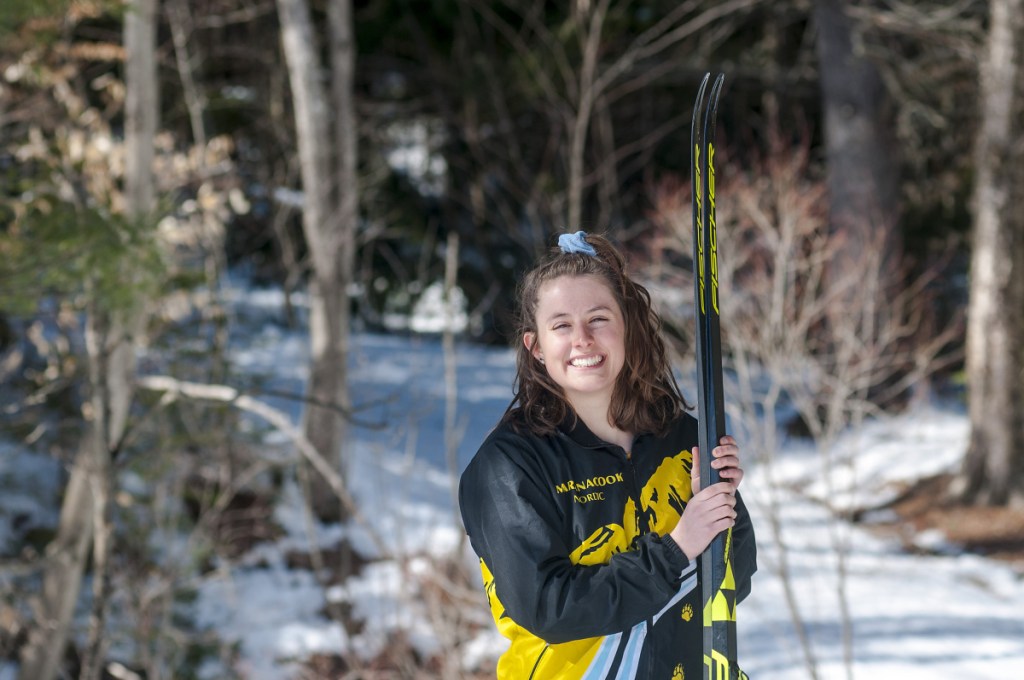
(717, 582)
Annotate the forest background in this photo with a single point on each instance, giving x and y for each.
(372, 158)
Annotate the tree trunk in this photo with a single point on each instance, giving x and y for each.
(62, 576)
(993, 471)
(111, 349)
(590, 24)
(181, 25)
(862, 175)
(141, 107)
(111, 340)
(328, 166)
(863, 180)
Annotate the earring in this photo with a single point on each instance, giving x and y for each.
(540, 359)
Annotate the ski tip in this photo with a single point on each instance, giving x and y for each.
(716, 88)
(712, 107)
(698, 103)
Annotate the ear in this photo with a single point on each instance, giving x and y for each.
(530, 342)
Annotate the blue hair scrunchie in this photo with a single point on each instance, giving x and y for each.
(576, 243)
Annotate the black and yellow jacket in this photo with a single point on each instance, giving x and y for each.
(580, 573)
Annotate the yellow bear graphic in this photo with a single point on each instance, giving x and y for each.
(662, 501)
(678, 673)
(687, 613)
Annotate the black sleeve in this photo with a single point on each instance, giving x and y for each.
(744, 562)
(514, 525)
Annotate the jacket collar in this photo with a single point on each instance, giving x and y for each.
(575, 429)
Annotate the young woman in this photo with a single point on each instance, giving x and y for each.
(584, 503)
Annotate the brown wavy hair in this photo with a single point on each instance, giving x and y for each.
(646, 397)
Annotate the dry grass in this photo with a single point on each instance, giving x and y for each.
(997, 533)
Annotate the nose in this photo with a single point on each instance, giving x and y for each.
(583, 336)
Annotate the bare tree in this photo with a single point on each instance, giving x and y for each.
(326, 131)
(577, 80)
(112, 334)
(66, 555)
(993, 471)
(859, 134)
(181, 25)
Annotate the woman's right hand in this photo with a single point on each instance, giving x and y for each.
(708, 513)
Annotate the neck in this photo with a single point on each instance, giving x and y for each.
(595, 417)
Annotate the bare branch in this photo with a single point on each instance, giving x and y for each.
(280, 420)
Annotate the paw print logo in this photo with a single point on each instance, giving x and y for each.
(678, 673)
(687, 615)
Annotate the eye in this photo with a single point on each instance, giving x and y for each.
(559, 326)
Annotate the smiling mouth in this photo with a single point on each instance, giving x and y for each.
(586, 362)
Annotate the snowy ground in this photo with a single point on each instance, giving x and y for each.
(948, 615)
(942, 615)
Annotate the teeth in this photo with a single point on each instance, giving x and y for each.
(586, 362)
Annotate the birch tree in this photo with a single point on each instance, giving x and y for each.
(993, 471)
(326, 132)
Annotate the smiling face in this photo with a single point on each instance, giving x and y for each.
(580, 338)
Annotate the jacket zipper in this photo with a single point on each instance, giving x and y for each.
(643, 528)
(536, 664)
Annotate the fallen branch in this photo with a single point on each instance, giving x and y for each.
(172, 388)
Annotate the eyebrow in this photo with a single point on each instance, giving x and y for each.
(597, 308)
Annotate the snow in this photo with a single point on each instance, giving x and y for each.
(940, 614)
(29, 493)
(274, 613)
